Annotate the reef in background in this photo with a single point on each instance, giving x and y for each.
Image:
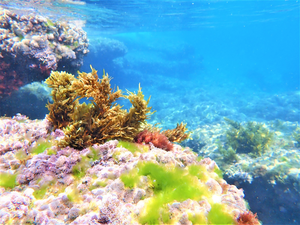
(261, 158)
(32, 46)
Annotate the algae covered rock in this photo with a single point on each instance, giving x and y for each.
(32, 46)
(109, 183)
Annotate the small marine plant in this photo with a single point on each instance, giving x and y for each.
(252, 138)
(296, 137)
(159, 140)
(228, 155)
(248, 218)
(49, 23)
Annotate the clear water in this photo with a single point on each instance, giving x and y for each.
(199, 60)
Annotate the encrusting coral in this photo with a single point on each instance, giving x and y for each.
(102, 119)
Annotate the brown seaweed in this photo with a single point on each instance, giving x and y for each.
(102, 119)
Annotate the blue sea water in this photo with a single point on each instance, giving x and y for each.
(200, 61)
(233, 53)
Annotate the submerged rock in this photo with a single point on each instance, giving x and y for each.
(32, 46)
(110, 184)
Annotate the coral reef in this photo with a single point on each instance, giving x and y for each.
(109, 184)
(108, 49)
(253, 138)
(32, 46)
(264, 178)
(284, 106)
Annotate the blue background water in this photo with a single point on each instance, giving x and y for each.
(200, 61)
(187, 54)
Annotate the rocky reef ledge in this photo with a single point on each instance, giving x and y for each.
(33, 45)
(117, 182)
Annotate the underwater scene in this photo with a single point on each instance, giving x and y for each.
(149, 112)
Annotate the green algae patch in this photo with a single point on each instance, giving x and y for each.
(130, 179)
(40, 193)
(218, 215)
(198, 171)
(93, 154)
(197, 218)
(22, 156)
(73, 195)
(43, 189)
(8, 180)
(199, 158)
(132, 147)
(218, 172)
(49, 23)
(51, 151)
(40, 147)
(79, 170)
(169, 184)
(98, 184)
(156, 211)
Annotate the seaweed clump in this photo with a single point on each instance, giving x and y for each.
(162, 139)
(248, 218)
(102, 119)
(296, 136)
(157, 139)
(96, 122)
(253, 138)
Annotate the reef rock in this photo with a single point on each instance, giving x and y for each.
(32, 46)
(114, 183)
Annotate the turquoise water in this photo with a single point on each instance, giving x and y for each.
(187, 52)
(200, 61)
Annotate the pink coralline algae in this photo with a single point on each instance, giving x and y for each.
(66, 186)
(19, 132)
(32, 46)
(42, 165)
